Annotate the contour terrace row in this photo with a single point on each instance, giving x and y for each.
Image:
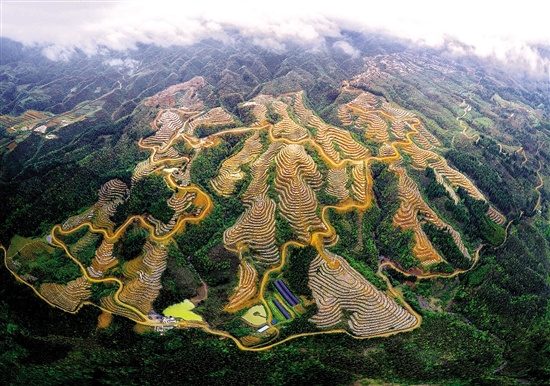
(344, 115)
(166, 154)
(301, 111)
(109, 303)
(427, 135)
(296, 175)
(259, 170)
(375, 127)
(339, 287)
(386, 150)
(255, 229)
(396, 112)
(245, 290)
(331, 138)
(407, 218)
(144, 273)
(82, 243)
(142, 169)
(360, 189)
(168, 123)
(230, 172)
(365, 101)
(67, 296)
(179, 202)
(103, 259)
(286, 127)
(336, 183)
(214, 117)
(111, 194)
(398, 129)
(456, 178)
(259, 111)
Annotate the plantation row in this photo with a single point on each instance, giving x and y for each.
(297, 177)
(143, 274)
(168, 122)
(336, 183)
(230, 172)
(255, 229)
(246, 289)
(68, 296)
(103, 259)
(111, 195)
(286, 127)
(412, 206)
(339, 290)
(284, 165)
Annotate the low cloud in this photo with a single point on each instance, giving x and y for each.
(127, 65)
(506, 33)
(346, 48)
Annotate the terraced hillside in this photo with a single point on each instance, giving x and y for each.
(290, 176)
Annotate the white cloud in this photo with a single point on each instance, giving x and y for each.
(347, 48)
(123, 64)
(506, 31)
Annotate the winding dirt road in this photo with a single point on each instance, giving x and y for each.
(317, 239)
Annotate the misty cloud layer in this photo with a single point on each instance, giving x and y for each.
(508, 32)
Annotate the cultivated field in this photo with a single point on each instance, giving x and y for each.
(287, 163)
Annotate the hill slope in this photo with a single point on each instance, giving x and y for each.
(284, 195)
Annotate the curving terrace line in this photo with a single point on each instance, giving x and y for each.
(340, 288)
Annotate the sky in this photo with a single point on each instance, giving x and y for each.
(505, 31)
